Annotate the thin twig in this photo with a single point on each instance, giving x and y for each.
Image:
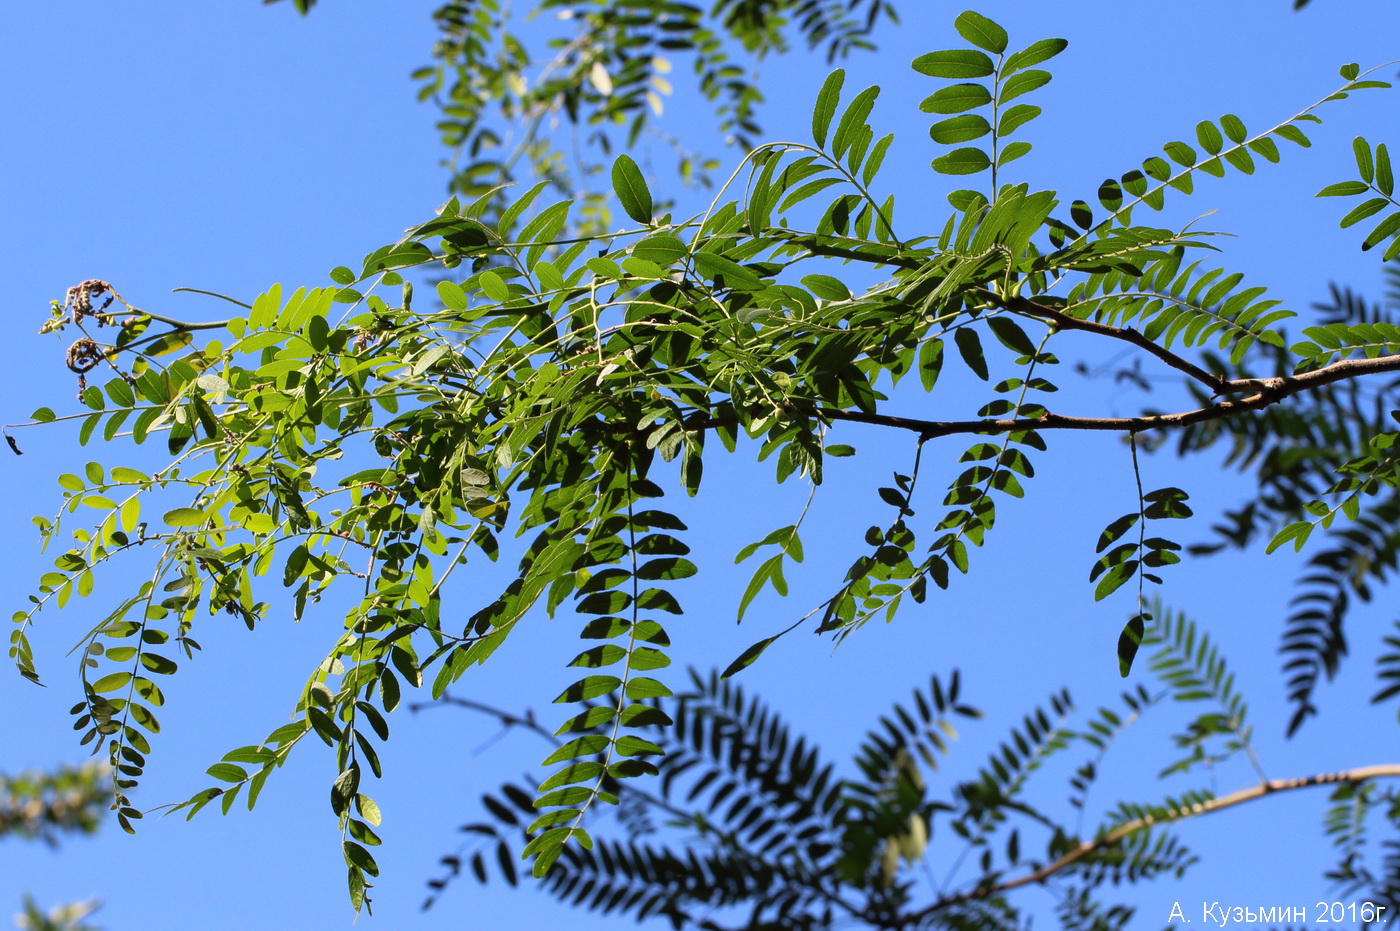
(527, 721)
(1020, 305)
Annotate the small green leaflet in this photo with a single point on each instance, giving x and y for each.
(631, 189)
(827, 287)
(733, 274)
(1034, 54)
(1128, 642)
(1023, 83)
(852, 120)
(970, 348)
(965, 161)
(227, 772)
(962, 128)
(954, 63)
(827, 99)
(452, 295)
(589, 687)
(956, 99)
(981, 32)
(747, 658)
(663, 250)
(1016, 117)
(184, 517)
(493, 286)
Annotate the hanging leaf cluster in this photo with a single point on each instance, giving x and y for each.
(348, 438)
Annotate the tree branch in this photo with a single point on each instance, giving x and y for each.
(1276, 389)
(1085, 848)
(185, 324)
(506, 718)
(1021, 305)
(509, 719)
(1268, 391)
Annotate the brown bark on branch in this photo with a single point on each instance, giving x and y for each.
(1283, 386)
(1268, 391)
(1020, 305)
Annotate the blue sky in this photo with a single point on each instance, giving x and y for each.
(229, 146)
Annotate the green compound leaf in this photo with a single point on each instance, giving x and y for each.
(1114, 579)
(1012, 152)
(1384, 230)
(730, 273)
(642, 687)
(111, 683)
(576, 772)
(1234, 128)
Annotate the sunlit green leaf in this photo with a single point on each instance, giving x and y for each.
(981, 32)
(631, 189)
(957, 129)
(827, 99)
(956, 99)
(955, 63)
(964, 161)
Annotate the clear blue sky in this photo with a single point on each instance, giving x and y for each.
(227, 146)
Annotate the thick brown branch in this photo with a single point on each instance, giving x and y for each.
(1277, 388)
(1268, 391)
(1108, 840)
(929, 429)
